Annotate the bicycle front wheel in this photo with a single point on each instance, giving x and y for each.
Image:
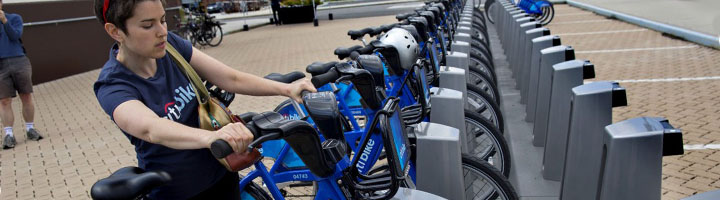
(486, 142)
(548, 13)
(481, 103)
(215, 35)
(490, 8)
(254, 192)
(482, 181)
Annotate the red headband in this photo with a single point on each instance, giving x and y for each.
(105, 8)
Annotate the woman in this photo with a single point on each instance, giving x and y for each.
(153, 103)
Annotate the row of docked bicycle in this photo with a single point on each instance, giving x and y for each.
(369, 131)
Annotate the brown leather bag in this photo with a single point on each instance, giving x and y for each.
(213, 115)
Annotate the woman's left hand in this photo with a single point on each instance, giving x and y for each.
(296, 88)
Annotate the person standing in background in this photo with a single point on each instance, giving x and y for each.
(275, 5)
(15, 76)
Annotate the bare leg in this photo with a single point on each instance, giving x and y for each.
(6, 112)
(28, 107)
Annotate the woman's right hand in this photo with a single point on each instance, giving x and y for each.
(235, 134)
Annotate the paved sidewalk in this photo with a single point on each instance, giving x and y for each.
(664, 77)
(699, 15)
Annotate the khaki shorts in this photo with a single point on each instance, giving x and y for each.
(15, 76)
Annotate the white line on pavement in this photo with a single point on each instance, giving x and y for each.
(638, 49)
(602, 32)
(701, 146)
(583, 21)
(572, 14)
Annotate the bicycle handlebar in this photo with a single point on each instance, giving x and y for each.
(328, 77)
(221, 148)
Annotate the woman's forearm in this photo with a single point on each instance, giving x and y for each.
(248, 84)
(177, 136)
(136, 119)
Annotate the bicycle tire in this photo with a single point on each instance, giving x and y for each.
(487, 143)
(478, 171)
(482, 56)
(548, 13)
(489, 8)
(253, 191)
(487, 87)
(482, 47)
(479, 103)
(481, 73)
(483, 68)
(215, 32)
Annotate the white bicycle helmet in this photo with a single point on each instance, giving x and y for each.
(405, 46)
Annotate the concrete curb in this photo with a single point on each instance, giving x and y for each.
(693, 36)
(250, 27)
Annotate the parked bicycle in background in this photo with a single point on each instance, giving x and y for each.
(200, 29)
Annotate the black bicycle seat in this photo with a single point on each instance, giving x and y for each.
(370, 48)
(317, 68)
(286, 78)
(355, 34)
(343, 52)
(403, 16)
(128, 183)
(388, 27)
(377, 31)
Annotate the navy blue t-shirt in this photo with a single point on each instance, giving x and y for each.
(170, 95)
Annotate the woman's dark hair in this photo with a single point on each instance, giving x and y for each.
(118, 11)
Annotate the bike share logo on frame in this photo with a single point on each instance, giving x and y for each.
(365, 154)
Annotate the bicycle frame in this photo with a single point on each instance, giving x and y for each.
(328, 187)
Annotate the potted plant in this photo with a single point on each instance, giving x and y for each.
(297, 11)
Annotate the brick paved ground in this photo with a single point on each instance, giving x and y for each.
(83, 145)
(689, 105)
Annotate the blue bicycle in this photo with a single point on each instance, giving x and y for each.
(542, 10)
